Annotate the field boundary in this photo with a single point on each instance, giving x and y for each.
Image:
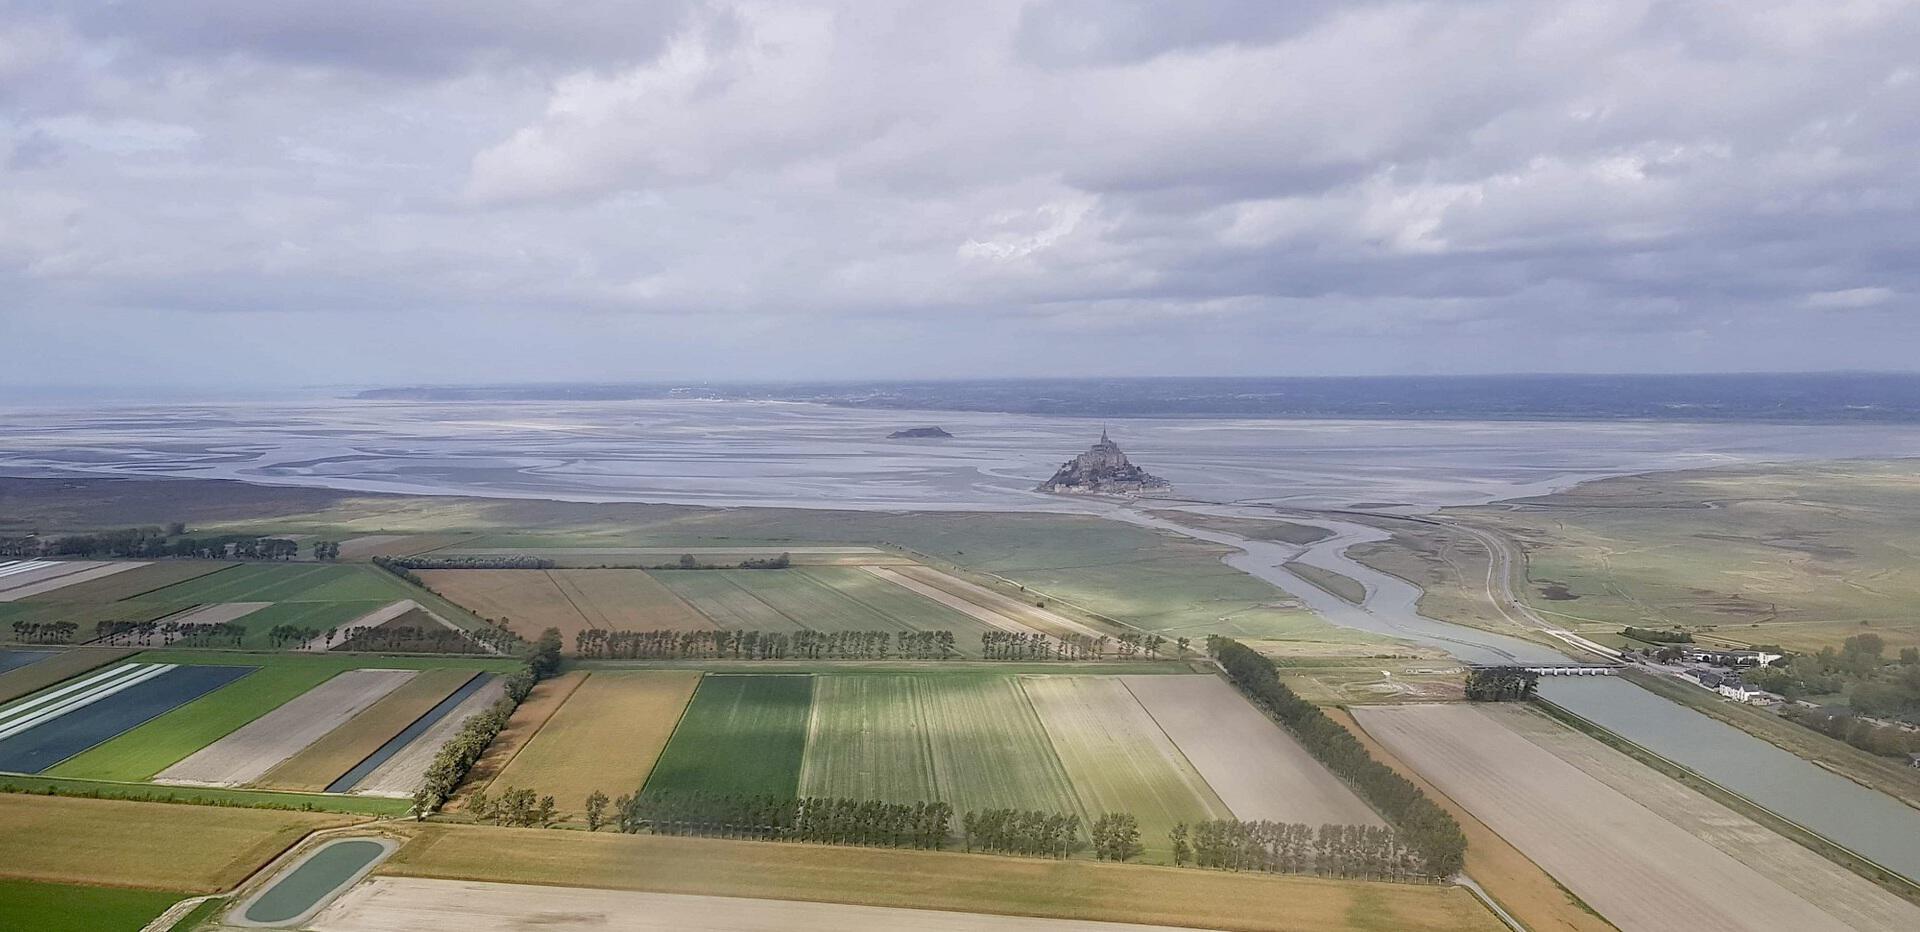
(1860, 864)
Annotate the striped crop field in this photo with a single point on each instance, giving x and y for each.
(133, 583)
(973, 742)
(713, 593)
(1119, 759)
(339, 750)
(46, 728)
(741, 735)
(288, 582)
(607, 736)
(164, 741)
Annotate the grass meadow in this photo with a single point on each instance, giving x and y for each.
(742, 735)
(52, 907)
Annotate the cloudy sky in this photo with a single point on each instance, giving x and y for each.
(246, 193)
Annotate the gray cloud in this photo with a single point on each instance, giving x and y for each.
(609, 190)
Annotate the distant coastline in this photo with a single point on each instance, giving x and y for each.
(1778, 398)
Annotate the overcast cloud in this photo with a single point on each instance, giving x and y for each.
(247, 193)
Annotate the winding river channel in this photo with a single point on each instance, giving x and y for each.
(1870, 823)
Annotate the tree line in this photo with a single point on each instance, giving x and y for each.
(671, 644)
(1657, 636)
(821, 820)
(44, 632)
(509, 561)
(152, 543)
(191, 634)
(1428, 830)
(1030, 832)
(1365, 852)
(1501, 684)
(412, 639)
(1024, 645)
(459, 754)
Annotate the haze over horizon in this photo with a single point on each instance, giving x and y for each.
(218, 193)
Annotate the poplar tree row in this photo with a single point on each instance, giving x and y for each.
(145, 633)
(1022, 831)
(669, 644)
(1024, 645)
(460, 753)
(1365, 852)
(1427, 829)
(820, 820)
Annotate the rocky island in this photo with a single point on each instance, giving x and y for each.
(1103, 469)
(920, 433)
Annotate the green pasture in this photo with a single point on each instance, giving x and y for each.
(742, 735)
(59, 907)
(289, 582)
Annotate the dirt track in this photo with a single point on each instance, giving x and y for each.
(400, 904)
(1637, 869)
(1258, 770)
(1027, 616)
(265, 742)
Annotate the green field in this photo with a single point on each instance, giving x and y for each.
(133, 583)
(198, 797)
(741, 735)
(971, 741)
(164, 741)
(56, 907)
(815, 598)
(1118, 759)
(321, 615)
(288, 582)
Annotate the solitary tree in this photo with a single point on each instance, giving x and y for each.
(596, 810)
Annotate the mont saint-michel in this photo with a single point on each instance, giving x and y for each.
(1103, 469)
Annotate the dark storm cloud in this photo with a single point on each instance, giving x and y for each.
(616, 190)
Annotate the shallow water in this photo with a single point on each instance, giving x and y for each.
(806, 455)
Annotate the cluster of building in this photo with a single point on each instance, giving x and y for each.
(1732, 686)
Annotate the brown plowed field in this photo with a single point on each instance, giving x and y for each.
(570, 600)
(606, 737)
(1637, 869)
(532, 715)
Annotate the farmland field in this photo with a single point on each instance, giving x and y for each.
(1118, 759)
(323, 761)
(152, 845)
(715, 594)
(47, 728)
(402, 772)
(1077, 889)
(740, 735)
(1258, 770)
(406, 904)
(41, 674)
(243, 754)
(162, 742)
(134, 583)
(607, 737)
(972, 741)
(47, 585)
(288, 582)
(1636, 868)
(571, 600)
(626, 599)
(548, 696)
(49, 907)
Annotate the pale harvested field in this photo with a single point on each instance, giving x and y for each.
(987, 616)
(1117, 757)
(627, 599)
(29, 572)
(218, 613)
(400, 904)
(527, 600)
(1257, 769)
(584, 557)
(1637, 869)
(337, 751)
(1840, 892)
(402, 772)
(98, 571)
(547, 697)
(1075, 889)
(1516, 883)
(1021, 613)
(606, 737)
(387, 545)
(262, 744)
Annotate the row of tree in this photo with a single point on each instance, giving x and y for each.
(821, 820)
(1024, 645)
(1885, 740)
(1354, 851)
(1501, 684)
(504, 561)
(1116, 837)
(411, 639)
(1022, 831)
(670, 644)
(188, 634)
(1428, 830)
(459, 754)
(44, 632)
(515, 807)
(150, 543)
(1657, 636)
(326, 550)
